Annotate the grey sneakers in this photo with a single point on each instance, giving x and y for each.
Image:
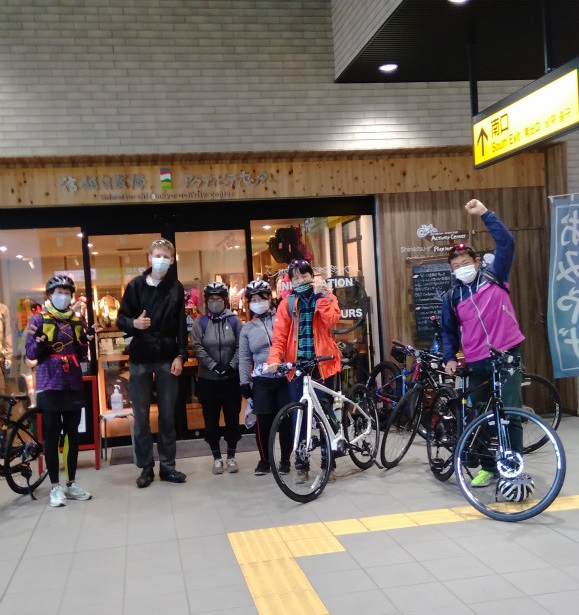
(217, 466)
(58, 495)
(231, 465)
(76, 492)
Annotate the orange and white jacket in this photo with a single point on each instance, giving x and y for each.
(284, 345)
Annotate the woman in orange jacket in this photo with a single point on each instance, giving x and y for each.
(302, 330)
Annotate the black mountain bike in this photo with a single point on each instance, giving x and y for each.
(462, 440)
(21, 452)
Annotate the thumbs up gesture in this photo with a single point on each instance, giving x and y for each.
(142, 322)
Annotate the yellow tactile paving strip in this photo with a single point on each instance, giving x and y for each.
(276, 582)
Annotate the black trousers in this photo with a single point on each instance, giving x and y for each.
(216, 396)
(269, 396)
(53, 423)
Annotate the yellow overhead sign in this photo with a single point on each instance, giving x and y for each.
(548, 110)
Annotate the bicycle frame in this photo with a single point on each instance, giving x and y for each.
(310, 399)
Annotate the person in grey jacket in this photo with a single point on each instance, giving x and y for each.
(215, 337)
(269, 391)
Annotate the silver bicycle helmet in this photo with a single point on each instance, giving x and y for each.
(257, 287)
(517, 489)
(215, 288)
(60, 281)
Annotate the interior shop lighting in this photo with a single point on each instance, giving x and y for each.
(266, 227)
(458, 1)
(19, 256)
(3, 248)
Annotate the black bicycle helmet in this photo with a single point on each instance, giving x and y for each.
(257, 287)
(60, 281)
(215, 288)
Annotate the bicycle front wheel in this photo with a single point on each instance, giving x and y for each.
(519, 486)
(24, 464)
(400, 429)
(540, 397)
(361, 429)
(301, 472)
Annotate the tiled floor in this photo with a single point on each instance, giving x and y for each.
(233, 544)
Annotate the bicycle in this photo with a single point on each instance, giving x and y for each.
(354, 365)
(405, 419)
(21, 453)
(459, 443)
(539, 394)
(307, 436)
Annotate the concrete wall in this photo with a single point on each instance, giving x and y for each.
(354, 22)
(142, 76)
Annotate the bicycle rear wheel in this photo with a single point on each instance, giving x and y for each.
(523, 485)
(540, 397)
(24, 464)
(441, 435)
(362, 431)
(385, 382)
(400, 429)
(303, 473)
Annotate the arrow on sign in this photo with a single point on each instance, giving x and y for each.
(482, 135)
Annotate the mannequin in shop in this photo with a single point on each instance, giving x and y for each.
(109, 310)
(5, 345)
(79, 307)
(196, 295)
(153, 312)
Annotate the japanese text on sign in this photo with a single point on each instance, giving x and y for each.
(563, 313)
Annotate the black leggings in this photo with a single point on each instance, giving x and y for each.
(53, 423)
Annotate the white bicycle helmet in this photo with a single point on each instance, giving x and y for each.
(517, 489)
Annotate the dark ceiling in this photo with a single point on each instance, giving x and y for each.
(429, 40)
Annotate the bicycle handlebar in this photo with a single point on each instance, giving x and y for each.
(302, 364)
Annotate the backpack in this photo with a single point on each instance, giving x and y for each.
(232, 318)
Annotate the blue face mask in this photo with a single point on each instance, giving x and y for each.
(160, 264)
(302, 288)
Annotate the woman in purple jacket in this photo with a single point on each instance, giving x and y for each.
(58, 340)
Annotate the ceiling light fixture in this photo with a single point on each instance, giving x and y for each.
(3, 248)
(458, 1)
(19, 256)
(389, 67)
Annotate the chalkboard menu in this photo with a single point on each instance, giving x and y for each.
(429, 283)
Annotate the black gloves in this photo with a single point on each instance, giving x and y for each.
(246, 391)
(224, 370)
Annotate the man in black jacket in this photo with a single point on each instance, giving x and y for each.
(153, 312)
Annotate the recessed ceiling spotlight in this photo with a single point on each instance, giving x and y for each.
(19, 256)
(389, 67)
(3, 248)
(458, 1)
(266, 227)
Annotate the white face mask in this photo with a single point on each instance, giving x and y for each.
(465, 274)
(60, 302)
(160, 264)
(259, 307)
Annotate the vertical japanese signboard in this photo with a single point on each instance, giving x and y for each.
(563, 310)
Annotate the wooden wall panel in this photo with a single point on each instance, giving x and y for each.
(83, 181)
(523, 211)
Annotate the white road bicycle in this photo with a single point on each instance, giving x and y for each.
(308, 435)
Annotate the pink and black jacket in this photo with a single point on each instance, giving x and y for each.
(481, 314)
